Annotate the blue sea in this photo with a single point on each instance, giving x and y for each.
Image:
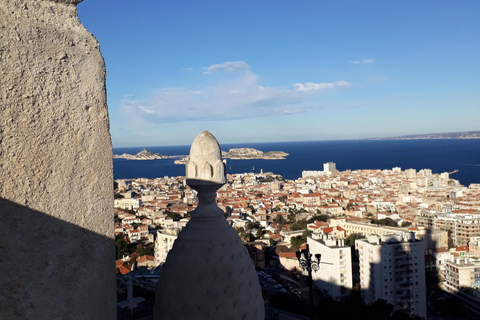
(438, 155)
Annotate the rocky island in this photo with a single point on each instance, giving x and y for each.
(142, 155)
(246, 154)
(250, 153)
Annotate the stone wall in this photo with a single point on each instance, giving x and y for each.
(56, 200)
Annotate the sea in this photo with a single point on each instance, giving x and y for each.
(446, 155)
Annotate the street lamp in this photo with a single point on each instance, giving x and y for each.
(306, 263)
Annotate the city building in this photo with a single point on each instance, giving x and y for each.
(334, 276)
(329, 167)
(462, 278)
(474, 247)
(461, 273)
(461, 224)
(163, 244)
(392, 268)
(127, 204)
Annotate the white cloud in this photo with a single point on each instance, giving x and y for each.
(237, 96)
(309, 86)
(362, 61)
(229, 66)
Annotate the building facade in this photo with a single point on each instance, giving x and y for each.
(392, 268)
(163, 244)
(334, 276)
(460, 226)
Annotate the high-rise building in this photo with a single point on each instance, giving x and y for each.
(329, 167)
(334, 276)
(164, 243)
(392, 268)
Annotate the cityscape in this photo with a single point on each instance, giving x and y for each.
(370, 211)
(409, 239)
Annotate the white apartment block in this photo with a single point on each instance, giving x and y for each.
(128, 204)
(329, 167)
(462, 278)
(392, 268)
(461, 273)
(163, 244)
(334, 276)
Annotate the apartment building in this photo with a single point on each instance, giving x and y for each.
(127, 204)
(461, 273)
(164, 243)
(334, 276)
(462, 278)
(392, 268)
(461, 226)
(474, 247)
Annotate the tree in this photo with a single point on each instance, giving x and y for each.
(406, 224)
(306, 234)
(320, 217)
(141, 251)
(297, 242)
(350, 240)
(121, 245)
(299, 225)
(292, 218)
(385, 222)
(175, 216)
(280, 219)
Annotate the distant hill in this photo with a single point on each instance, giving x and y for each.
(451, 135)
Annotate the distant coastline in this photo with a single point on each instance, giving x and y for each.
(451, 135)
(246, 154)
(142, 155)
(233, 154)
(440, 155)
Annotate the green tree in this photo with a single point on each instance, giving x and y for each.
(175, 216)
(299, 225)
(141, 251)
(386, 222)
(320, 217)
(280, 219)
(306, 234)
(350, 240)
(122, 246)
(297, 242)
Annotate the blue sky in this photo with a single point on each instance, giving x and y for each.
(277, 70)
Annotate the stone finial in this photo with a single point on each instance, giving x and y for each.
(205, 164)
(208, 273)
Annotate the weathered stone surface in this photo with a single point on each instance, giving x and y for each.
(56, 205)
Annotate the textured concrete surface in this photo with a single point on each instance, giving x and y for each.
(56, 180)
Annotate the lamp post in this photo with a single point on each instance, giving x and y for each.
(306, 263)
